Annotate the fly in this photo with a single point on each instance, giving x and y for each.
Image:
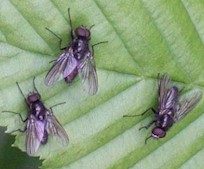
(170, 109)
(76, 58)
(40, 122)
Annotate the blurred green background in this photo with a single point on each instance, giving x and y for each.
(12, 157)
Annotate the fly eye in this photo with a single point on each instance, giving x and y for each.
(33, 97)
(83, 32)
(158, 132)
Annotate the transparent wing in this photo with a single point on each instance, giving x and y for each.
(171, 101)
(61, 67)
(70, 67)
(187, 105)
(87, 72)
(163, 90)
(54, 128)
(34, 134)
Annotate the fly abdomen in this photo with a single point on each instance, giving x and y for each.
(45, 138)
(71, 76)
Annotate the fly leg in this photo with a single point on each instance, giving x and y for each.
(147, 126)
(181, 89)
(18, 130)
(60, 40)
(152, 122)
(151, 108)
(70, 22)
(91, 27)
(23, 120)
(35, 85)
(96, 45)
(22, 94)
(147, 139)
(56, 105)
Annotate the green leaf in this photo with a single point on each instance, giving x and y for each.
(144, 38)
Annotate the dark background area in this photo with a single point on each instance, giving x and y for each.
(12, 157)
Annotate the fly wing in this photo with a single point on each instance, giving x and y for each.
(70, 67)
(54, 128)
(61, 68)
(163, 90)
(187, 105)
(87, 73)
(34, 134)
(172, 99)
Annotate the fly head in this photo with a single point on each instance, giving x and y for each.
(83, 32)
(33, 97)
(158, 132)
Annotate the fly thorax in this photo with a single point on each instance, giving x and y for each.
(38, 110)
(79, 56)
(164, 121)
(161, 112)
(79, 46)
(167, 121)
(81, 49)
(41, 117)
(170, 113)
